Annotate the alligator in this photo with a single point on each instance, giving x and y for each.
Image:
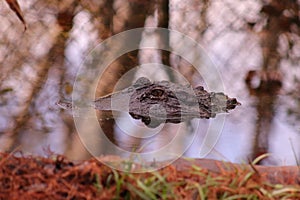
(160, 102)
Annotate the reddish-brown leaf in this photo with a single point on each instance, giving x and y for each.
(14, 5)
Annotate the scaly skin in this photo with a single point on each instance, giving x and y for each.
(164, 102)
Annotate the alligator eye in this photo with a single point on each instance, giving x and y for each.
(157, 92)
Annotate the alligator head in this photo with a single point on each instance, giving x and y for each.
(165, 102)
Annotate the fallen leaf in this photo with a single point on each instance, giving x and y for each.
(14, 5)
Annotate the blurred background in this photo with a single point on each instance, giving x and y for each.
(255, 45)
